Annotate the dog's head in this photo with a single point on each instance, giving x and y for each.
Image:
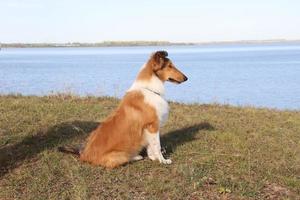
(164, 69)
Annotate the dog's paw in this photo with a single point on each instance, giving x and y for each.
(166, 161)
(137, 158)
(151, 157)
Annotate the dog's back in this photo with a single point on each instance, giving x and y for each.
(120, 136)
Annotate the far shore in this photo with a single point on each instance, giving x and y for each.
(139, 43)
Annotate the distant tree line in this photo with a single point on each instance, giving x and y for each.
(100, 44)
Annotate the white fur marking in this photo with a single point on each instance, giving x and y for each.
(160, 105)
(137, 158)
(154, 148)
(156, 101)
(154, 84)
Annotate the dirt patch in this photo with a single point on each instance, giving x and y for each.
(274, 191)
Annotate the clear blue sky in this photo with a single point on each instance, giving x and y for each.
(172, 20)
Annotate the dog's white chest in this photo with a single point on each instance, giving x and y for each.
(159, 103)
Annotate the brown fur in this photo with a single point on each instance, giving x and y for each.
(162, 67)
(120, 137)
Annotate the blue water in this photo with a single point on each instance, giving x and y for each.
(255, 75)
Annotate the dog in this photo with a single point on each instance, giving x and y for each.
(135, 123)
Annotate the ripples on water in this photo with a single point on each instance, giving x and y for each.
(256, 75)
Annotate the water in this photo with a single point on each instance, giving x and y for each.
(255, 75)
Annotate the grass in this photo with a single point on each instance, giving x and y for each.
(218, 152)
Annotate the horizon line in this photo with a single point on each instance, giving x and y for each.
(140, 43)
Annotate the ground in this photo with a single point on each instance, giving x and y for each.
(218, 152)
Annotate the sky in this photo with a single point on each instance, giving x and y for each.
(33, 21)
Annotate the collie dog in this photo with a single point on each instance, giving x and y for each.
(135, 123)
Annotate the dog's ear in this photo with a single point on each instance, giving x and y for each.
(158, 58)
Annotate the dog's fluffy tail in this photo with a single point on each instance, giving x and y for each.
(70, 149)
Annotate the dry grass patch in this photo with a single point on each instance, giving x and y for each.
(218, 152)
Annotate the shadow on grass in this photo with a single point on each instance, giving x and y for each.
(11, 156)
(172, 139)
(175, 138)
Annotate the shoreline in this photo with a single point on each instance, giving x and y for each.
(114, 98)
(143, 43)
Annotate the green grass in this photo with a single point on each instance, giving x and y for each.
(217, 152)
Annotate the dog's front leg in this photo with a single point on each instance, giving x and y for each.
(154, 148)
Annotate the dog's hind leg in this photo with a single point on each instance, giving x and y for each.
(114, 159)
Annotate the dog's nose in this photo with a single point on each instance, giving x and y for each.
(185, 78)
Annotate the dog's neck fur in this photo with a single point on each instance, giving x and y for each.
(150, 82)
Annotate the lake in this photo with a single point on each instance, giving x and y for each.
(266, 75)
